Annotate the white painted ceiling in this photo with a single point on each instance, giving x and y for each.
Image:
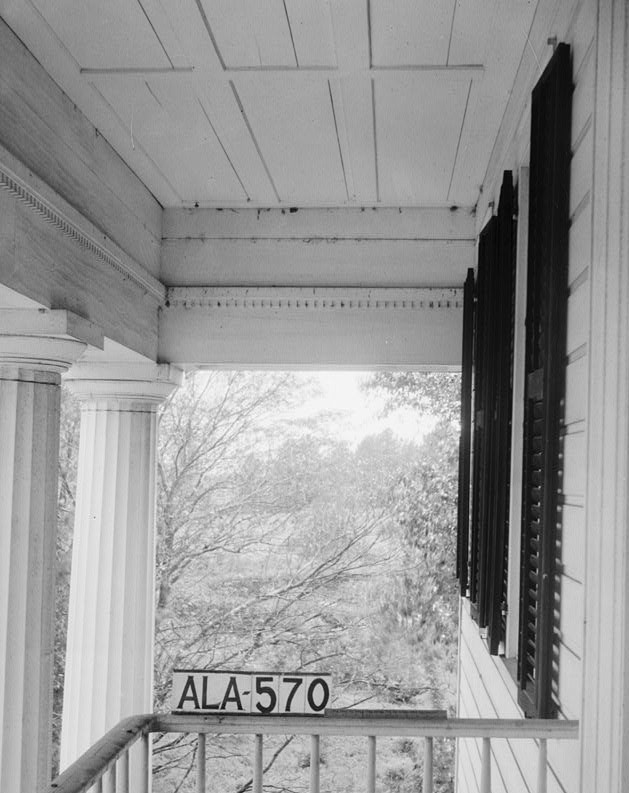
(266, 103)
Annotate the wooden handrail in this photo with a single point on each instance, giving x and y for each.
(91, 766)
(393, 723)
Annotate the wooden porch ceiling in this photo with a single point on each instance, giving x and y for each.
(282, 103)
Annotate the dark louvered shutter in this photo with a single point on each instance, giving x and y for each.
(483, 367)
(466, 423)
(493, 377)
(501, 408)
(545, 377)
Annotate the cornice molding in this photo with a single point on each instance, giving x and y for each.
(32, 197)
(315, 298)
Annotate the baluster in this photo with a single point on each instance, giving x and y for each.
(98, 787)
(542, 766)
(145, 761)
(371, 764)
(123, 772)
(108, 780)
(485, 772)
(258, 769)
(314, 763)
(201, 763)
(428, 764)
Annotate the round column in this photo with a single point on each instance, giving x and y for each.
(109, 655)
(30, 376)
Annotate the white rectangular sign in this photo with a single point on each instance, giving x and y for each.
(262, 693)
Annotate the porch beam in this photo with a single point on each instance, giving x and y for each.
(312, 327)
(318, 247)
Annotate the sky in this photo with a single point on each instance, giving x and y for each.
(360, 412)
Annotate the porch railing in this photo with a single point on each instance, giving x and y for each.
(105, 765)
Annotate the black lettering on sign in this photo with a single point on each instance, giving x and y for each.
(318, 681)
(204, 703)
(296, 681)
(235, 697)
(189, 697)
(270, 692)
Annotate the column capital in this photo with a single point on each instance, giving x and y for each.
(129, 381)
(38, 340)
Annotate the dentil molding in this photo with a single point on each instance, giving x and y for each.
(314, 298)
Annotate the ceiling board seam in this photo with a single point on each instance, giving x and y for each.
(338, 140)
(137, 145)
(460, 70)
(254, 139)
(290, 30)
(53, 33)
(220, 143)
(521, 62)
(428, 67)
(156, 34)
(369, 34)
(137, 70)
(153, 94)
(375, 137)
(210, 33)
(361, 206)
(451, 32)
(458, 143)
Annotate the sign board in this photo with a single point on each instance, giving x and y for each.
(262, 693)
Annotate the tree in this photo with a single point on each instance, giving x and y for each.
(68, 453)
(280, 564)
(425, 597)
(426, 501)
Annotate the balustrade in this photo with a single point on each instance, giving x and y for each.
(105, 766)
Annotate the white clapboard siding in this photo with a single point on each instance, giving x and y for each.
(570, 682)
(486, 687)
(580, 243)
(581, 169)
(487, 691)
(574, 465)
(573, 542)
(578, 307)
(576, 389)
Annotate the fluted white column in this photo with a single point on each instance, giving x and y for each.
(109, 652)
(30, 376)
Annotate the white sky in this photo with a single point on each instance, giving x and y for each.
(360, 412)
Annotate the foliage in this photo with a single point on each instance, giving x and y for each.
(425, 503)
(68, 453)
(432, 393)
